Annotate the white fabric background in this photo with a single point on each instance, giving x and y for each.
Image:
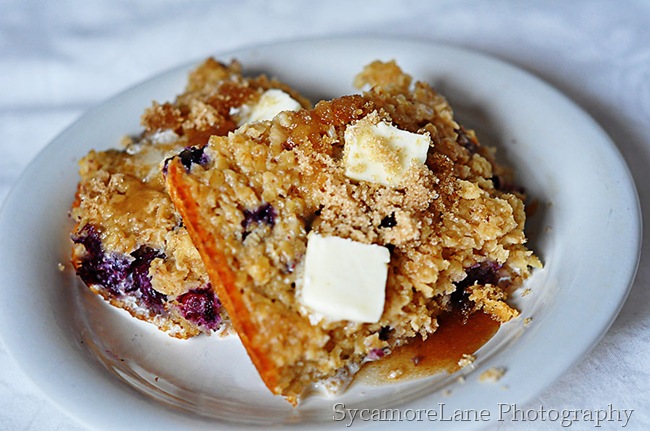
(57, 59)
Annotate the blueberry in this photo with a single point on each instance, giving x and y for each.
(388, 221)
(265, 214)
(118, 274)
(384, 333)
(496, 182)
(191, 155)
(466, 142)
(97, 267)
(139, 280)
(188, 157)
(201, 306)
(482, 273)
(503, 185)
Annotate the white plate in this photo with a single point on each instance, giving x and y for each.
(587, 232)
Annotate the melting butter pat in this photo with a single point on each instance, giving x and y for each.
(345, 279)
(270, 104)
(378, 152)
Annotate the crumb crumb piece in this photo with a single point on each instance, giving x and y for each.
(492, 375)
(447, 392)
(466, 360)
(60, 266)
(527, 320)
(526, 292)
(461, 379)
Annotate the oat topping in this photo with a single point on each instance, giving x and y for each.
(453, 237)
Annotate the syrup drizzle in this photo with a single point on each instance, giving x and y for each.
(440, 352)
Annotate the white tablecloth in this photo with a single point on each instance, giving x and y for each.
(57, 59)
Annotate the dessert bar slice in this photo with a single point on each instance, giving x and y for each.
(333, 235)
(130, 245)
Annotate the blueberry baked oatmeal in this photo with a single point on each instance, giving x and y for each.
(130, 245)
(335, 234)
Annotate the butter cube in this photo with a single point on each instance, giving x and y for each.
(378, 152)
(345, 279)
(270, 104)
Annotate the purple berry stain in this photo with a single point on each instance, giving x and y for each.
(202, 307)
(116, 273)
(140, 282)
(97, 267)
(375, 354)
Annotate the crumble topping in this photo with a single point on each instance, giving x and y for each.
(466, 360)
(492, 375)
(208, 213)
(453, 236)
(122, 205)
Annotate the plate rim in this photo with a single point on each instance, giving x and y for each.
(635, 213)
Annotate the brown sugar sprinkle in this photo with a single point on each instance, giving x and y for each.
(205, 110)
